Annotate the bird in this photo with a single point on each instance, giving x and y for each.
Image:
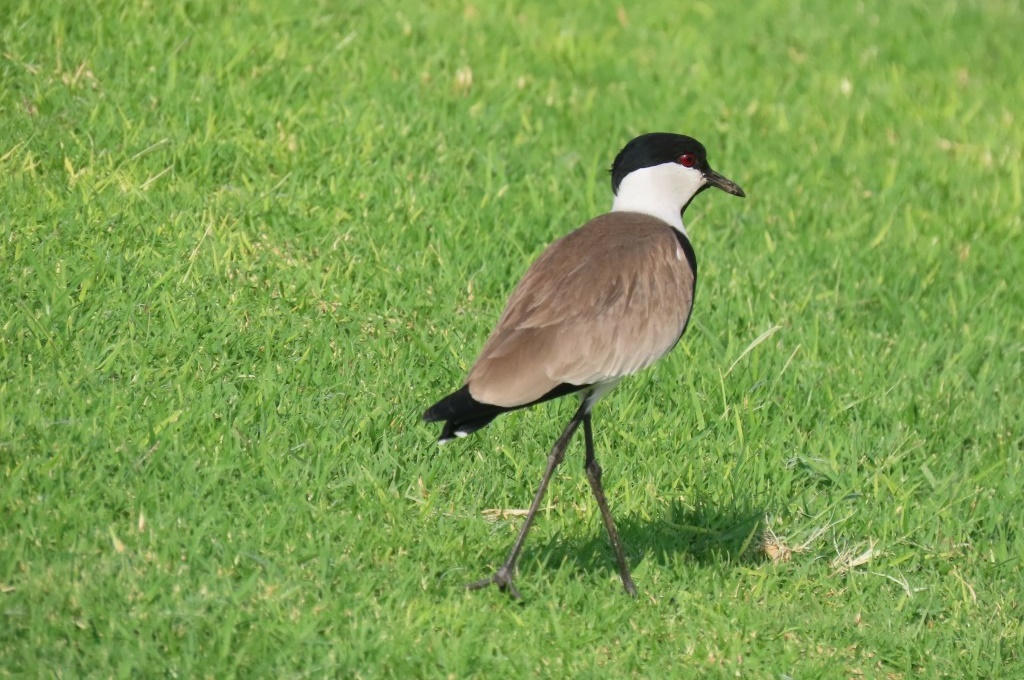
(599, 304)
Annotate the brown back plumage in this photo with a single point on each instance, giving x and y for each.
(600, 303)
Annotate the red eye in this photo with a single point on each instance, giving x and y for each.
(688, 160)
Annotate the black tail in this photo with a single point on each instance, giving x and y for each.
(464, 415)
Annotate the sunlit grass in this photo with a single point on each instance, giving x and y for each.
(245, 246)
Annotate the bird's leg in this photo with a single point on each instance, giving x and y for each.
(503, 577)
(594, 477)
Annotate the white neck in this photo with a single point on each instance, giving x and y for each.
(660, 191)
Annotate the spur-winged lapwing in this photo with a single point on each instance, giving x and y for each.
(599, 304)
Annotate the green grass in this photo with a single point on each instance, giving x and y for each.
(244, 245)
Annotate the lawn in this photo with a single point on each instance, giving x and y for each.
(244, 245)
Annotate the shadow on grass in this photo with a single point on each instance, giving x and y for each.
(706, 535)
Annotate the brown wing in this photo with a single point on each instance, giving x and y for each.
(603, 302)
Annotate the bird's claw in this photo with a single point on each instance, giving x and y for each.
(501, 578)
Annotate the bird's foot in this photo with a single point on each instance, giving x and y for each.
(627, 583)
(501, 578)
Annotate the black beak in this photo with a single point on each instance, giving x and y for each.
(724, 183)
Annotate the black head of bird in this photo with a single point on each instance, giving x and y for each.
(601, 303)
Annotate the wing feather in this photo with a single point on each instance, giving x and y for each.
(603, 302)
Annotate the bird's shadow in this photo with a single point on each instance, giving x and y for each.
(705, 534)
